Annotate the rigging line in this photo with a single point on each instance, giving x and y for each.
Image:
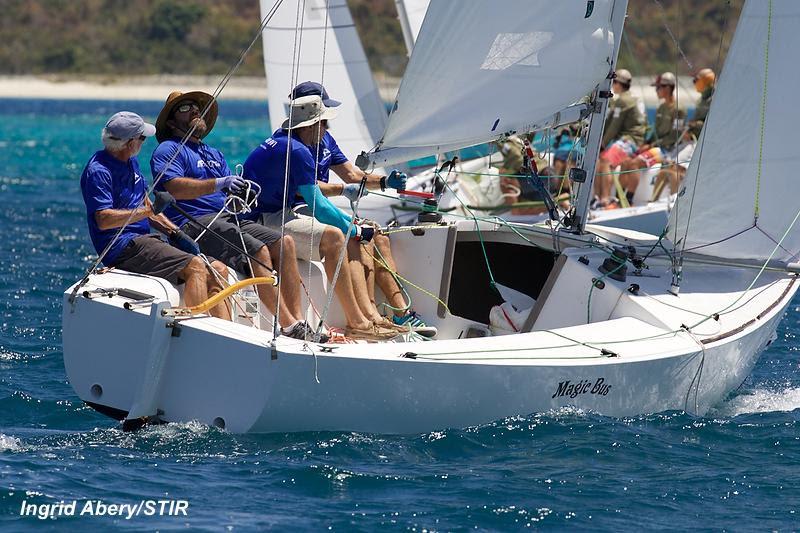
(492, 282)
(763, 112)
(699, 155)
(761, 270)
(296, 48)
(316, 171)
(222, 84)
(394, 274)
(672, 36)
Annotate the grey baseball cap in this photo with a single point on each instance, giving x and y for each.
(126, 125)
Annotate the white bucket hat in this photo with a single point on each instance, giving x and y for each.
(307, 110)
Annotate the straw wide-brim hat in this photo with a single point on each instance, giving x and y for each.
(202, 99)
(308, 110)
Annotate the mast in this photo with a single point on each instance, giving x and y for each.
(405, 25)
(598, 107)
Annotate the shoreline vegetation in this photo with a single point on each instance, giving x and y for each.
(253, 88)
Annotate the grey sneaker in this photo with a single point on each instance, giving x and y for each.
(302, 331)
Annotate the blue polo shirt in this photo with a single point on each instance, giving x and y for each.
(266, 165)
(108, 183)
(194, 160)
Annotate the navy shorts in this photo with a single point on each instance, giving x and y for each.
(148, 254)
(254, 235)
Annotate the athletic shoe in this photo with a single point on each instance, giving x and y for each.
(415, 323)
(302, 331)
(371, 333)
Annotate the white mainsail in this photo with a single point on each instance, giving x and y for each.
(347, 77)
(482, 68)
(739, 189)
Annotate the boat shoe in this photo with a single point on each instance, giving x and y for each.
(371, 333)
(412, 321)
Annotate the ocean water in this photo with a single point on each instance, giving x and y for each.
(735, 469)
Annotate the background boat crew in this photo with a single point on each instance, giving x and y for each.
(661, 142)
(330, 157)
(622, 134)
(114, 192)
(198, 176)
(704, 81)
(327, 237)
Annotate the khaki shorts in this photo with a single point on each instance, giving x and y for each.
(305, 230)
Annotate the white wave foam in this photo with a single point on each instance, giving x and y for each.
(9, 444)
(761, 401)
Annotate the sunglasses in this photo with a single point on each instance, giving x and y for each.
(185, 108)
(142, 138)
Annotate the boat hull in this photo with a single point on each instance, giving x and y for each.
(232, 376)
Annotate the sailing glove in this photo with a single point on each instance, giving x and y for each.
(396, 180)
(181, 241)
(351, 190)
(232, 184)
(364, 233)
(163, 200)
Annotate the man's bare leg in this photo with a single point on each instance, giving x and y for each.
(603, 180)
(269, 294)
(289, 276)
(384, 278)
(195, 289)
(359, 281)
(330, 247)
(631, 174)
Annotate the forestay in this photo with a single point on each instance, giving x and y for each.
(347, 77)
(485, 67)
(741, 186)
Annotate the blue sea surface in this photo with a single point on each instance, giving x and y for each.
(736, 469)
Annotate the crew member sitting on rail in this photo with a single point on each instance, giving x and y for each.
(115, 195)
(197, 175)
(378, 271)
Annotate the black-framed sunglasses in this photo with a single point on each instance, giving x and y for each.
(185, 108)
(142, 138)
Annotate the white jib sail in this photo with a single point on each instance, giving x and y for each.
(485, 67)
(740, 188)
(347, 77)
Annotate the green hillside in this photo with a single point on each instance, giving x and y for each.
(206, 36)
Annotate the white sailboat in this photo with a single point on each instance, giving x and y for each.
(620, 333)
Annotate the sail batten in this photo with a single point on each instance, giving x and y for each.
(483, 68)
(740, 188)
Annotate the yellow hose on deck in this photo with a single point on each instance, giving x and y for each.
(217, 298)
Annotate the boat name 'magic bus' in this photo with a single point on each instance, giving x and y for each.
(584, 386)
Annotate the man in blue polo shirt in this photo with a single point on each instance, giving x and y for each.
(114, 192)
(324, 238)
(330, 157)
(319, 154)
(198, 176)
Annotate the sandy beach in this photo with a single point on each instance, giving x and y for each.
(239, 88)
(144, 87)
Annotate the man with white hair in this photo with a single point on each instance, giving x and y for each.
(115, 195)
